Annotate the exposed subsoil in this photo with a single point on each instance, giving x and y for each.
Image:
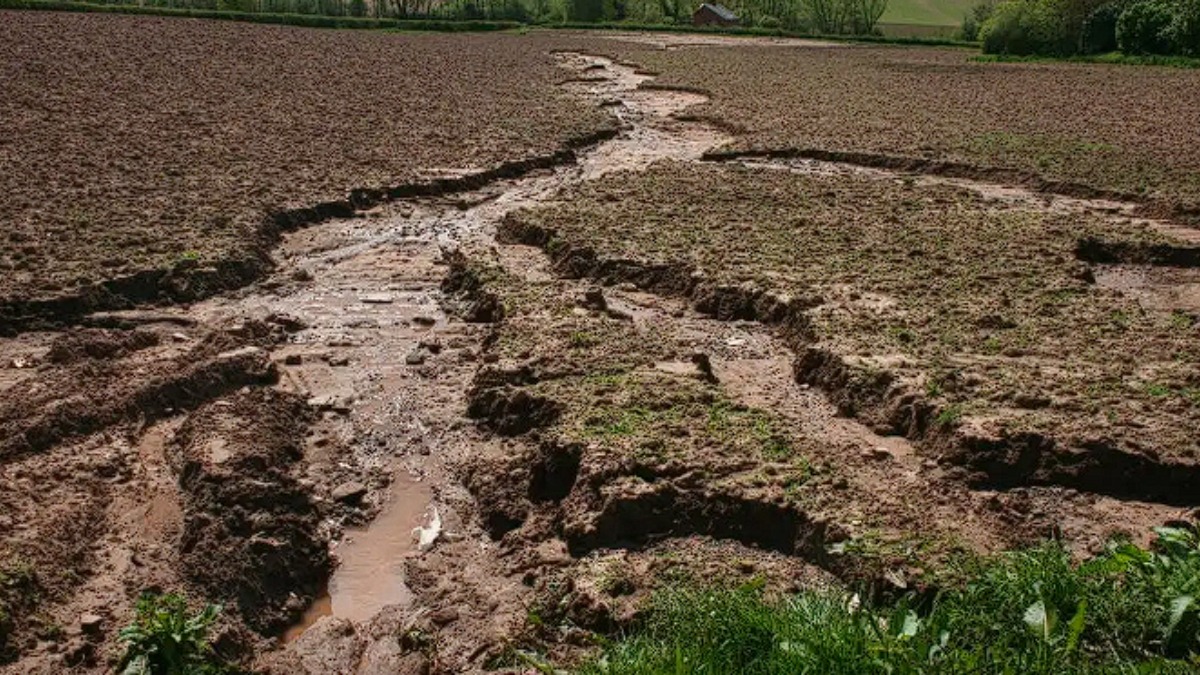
(416, 447)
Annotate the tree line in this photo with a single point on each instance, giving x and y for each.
(1083, 27)
(833, 17)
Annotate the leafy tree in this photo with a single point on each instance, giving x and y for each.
(1143, 28)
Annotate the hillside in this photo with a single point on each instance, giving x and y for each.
(927, 12)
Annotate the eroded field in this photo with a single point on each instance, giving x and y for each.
(126, 182)
(930, 312)
(1064, 127)
(468, 425)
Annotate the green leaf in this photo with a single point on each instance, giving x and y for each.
(911, 624)
(1179, 607)
(1076, 625)
(1040, 619)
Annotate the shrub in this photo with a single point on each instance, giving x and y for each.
(1100, 30)
(166, 639)
(1024, 28)
(975, 19)
(1143, 28)
(769, 22)
(1184, 31)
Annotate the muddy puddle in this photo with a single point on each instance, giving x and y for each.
(370, 573)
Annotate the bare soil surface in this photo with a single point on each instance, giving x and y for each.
(126, 183)
(1068, 128)
(473, 426)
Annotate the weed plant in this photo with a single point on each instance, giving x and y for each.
(1129, 610)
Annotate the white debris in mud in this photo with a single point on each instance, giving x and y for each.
(428, 535)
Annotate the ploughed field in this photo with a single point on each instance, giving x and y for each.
(147, 157)
(1075, 127)
(761, 313)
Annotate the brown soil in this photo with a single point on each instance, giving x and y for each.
(930, 312)
(421, 444)
(1059, 127)
(126, 184)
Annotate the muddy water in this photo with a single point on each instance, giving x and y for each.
(371, 571)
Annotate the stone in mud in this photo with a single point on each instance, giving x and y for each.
(288, 322)
(593, 298)
(350, 492)
(90, 624)
(415, 358)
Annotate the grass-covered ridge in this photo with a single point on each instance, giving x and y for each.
(1033, 611)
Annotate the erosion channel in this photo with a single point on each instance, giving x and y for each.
(376, 334)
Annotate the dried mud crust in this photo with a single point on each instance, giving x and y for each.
(172, 186)
(934, 110)
(929, 312)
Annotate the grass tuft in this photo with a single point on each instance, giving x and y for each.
(1033, 611)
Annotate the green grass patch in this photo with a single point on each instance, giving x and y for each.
(1129, 610)
(1114, 58)
(947, 13)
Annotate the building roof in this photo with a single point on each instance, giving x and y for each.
(720, 10)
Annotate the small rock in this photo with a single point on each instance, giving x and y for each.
(1031, 401)
(91, 624)
(332, 402)
(431, 344)
(880, 452)
(302, 274)
(288, 322)
(180, 337)
(248, 350)
(444, 616)
(840, 483)
(929, 464)
(377, 299)
(415, 358)
(424, 320)
(293, 360)
(350, 492)
(339, 361)
(593, 298)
